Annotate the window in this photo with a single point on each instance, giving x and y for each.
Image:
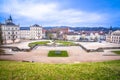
(8, 32)
(12, 32)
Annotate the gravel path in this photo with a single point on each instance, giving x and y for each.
(76, 55)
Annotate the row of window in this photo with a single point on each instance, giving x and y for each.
(12, 33)
(115, 40)
(12, 37)
(115, 37)
(9, 28)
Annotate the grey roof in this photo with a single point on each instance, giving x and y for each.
(24, 28)
(10, 23)
(35, 25)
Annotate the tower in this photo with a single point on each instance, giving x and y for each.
(9, 20)
(110, 30)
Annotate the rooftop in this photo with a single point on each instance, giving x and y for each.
(24, 28)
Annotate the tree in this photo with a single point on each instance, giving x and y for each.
(13, 36)
(1, 38)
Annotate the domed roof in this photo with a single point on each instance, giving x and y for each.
(117, 33)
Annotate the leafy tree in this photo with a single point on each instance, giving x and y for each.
(49, 35)
(1, 39)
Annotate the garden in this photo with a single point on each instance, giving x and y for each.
(57, 53)
(66, 43)
(43, 43)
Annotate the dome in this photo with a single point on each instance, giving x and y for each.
(117, 33)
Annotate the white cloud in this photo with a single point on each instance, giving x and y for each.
(50, 13)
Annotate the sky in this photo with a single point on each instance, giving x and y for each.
(74, 13)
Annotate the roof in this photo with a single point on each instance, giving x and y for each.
(10, 23)
(24, 28)
(117, 33)
(72, 33)
(35, 25)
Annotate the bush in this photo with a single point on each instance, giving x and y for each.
(116, 52)
(2, 51)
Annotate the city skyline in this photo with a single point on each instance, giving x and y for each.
(62, 13)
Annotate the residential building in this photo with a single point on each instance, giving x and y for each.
(71, 36)
(56, 33)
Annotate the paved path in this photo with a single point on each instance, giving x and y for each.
(96, 45)
(76, 54)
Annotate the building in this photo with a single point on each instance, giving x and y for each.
(115, 37)
(25, 33)
(85, 36)
(33, 32)
(56, 33)
(71, 36)
(10, 31)
(36, 32)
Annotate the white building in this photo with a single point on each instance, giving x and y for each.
(73, 36)
(36, 32)
(25, 33)
(10, 31)
(33, 32)
(115, 36)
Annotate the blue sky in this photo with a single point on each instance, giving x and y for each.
(62, 12)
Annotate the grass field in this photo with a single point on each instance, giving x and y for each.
(117, 52)
(54, 53)
(11, 70)
(39, 43)
(65, 43)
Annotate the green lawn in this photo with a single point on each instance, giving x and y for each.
(54, 53)
(65, 43)
(11, 70)
(39, 43)
(117, 52)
